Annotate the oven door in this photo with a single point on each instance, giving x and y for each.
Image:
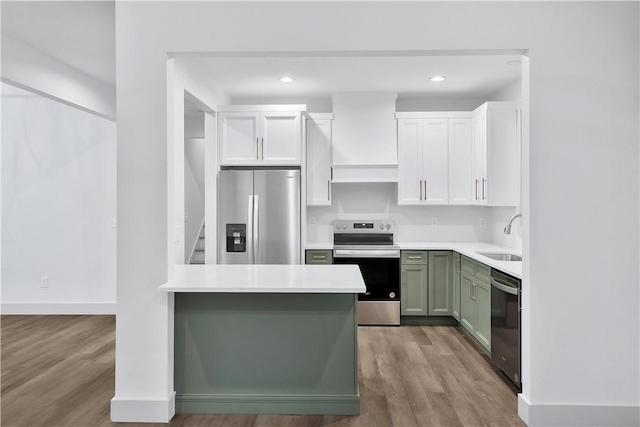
(381, 277)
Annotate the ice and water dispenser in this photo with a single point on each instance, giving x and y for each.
(236, 237)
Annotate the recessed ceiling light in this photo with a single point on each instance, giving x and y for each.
(286, 79)
(437, 78)
(514, 62)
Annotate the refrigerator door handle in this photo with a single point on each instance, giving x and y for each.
(256, 228)
(250, 229)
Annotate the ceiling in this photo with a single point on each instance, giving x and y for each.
(319, 76)
(82, 35)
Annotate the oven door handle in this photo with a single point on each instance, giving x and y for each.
(505, 288)
(375, 253)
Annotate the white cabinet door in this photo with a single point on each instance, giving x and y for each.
(318, 162)
(435, 169)
(480, 158)
(280, 141)
(239, 134)
(410, 162)
(460, 162)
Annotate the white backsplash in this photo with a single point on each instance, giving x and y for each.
(412, 223)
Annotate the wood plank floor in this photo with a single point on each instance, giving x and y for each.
(59, 371)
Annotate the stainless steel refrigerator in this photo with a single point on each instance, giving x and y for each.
(259, 216)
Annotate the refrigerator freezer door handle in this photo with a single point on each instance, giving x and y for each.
(250, 229)
(256, 229)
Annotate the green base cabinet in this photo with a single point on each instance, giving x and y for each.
(483, 314)
(318, 256)
(440, 283)
(246, 353)
(413, 291)
(467, 303)
(457, 277)
(426, 283)
(475, 301)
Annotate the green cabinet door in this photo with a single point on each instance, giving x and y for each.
(467, 303)
(440, 296)
(413, 292)
(483, 314)
(455, 272)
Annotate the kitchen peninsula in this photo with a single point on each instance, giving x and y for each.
(277, 339)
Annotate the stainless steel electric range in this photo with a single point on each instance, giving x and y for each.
(369, 244)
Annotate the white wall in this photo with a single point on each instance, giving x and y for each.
(194, 124)
(58, 203)
(412, 223)
(194, 187)
(26, 67)
(579, 359)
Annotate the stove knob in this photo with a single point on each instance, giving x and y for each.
(344, 226)
(381, 226)
(388, 226)
(392, 295)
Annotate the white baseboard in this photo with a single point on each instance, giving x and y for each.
(58, 308)
(143, 411)
(577, 415)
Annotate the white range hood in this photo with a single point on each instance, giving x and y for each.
(364, 142)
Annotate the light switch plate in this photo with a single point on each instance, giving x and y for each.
(434, 221)
(44, 283)
(482, 222)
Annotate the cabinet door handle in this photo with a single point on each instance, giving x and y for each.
(414, 257)
(257, 148)
(476, 189)
(483, 183)
(425, 189)
(262, 150)
(475, 292)
(319, 257)
(420, 189)
(328, 189)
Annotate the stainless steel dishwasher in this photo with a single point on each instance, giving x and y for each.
(505, 324)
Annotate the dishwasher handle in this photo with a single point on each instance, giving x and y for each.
(503, 287)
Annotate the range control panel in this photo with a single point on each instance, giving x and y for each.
(365, 226)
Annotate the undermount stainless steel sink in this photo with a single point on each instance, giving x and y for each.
(501, 257)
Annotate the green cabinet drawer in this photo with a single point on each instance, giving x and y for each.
(467, 264)
(319, 257)
(414, 257)
(482, 272)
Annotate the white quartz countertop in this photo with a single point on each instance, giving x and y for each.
(471, 249)
(324, 279)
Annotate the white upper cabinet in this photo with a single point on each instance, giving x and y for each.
(239, 136)
(261, 137)
(460, 162)
(409, 161)
(282, 143)
(435, 159)
(495, 164)
(423, 161)
(319, 159)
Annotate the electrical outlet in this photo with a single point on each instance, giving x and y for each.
(44, 283)
(434, 221)
(186, 217)
(114, 222)
(176, 233)
(482, 222)
(312, 220)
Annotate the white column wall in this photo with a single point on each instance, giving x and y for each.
(581, 239)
